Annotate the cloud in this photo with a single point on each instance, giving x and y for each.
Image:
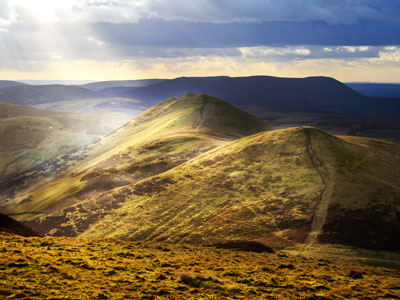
(7, 15)
(157, 32)
(306, 52)
(210, 36)
(218, 11)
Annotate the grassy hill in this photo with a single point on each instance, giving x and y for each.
(37, 94)
(283, 187)
(170, 133)
(59, 268)
(33, 139)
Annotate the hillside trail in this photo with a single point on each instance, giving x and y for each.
(201, 115)
(321, 209)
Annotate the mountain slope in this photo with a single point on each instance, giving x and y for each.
(101, 85)
(32, 139)
(32, 95)
(170, 133)
(299, 185)
(112, 104)
(389, 90)
(11, 226)
(312, 93)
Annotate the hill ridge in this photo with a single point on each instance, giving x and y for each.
(170, 133)
(267, 178)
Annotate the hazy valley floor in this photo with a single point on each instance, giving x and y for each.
(68, 268)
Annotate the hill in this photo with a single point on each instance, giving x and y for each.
(170, 133)
(9, 110)
(282, 188)
(8, 83)
(101, 85)
(11, 226)
(311, 94)
(33, 139)
(37, 94)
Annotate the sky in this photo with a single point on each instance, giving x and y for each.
(351, 40)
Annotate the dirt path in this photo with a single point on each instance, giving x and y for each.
(321, 209)
(201, 114)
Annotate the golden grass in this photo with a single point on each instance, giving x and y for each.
(67, 268)
(174, 131)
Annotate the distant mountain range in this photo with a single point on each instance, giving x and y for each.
(321, 94)
(389, 90)
(312, 94)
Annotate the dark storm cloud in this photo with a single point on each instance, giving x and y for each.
(194, 34)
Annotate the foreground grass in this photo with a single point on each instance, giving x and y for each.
(67, 268)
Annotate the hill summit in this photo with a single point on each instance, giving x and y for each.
(163, 137)
(282, 187)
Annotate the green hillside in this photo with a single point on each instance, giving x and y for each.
(283, 187)
(170, 133)
(33, 139)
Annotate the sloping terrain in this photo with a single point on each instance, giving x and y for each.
(37, 94)
(101, 85)
(11, 226)
(67, 268)
(113, 104)
(8, 83)
(33, 139)
(387, 129)
(299, 185)
(388, 90)
(175, 131)
(312, 94)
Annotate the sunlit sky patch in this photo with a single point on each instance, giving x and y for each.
(352, 40)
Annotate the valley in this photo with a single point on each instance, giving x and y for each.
(205, 149)
(196, 177)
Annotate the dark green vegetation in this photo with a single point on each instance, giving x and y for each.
(66, 268)
(175, 131)
(37, 143)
